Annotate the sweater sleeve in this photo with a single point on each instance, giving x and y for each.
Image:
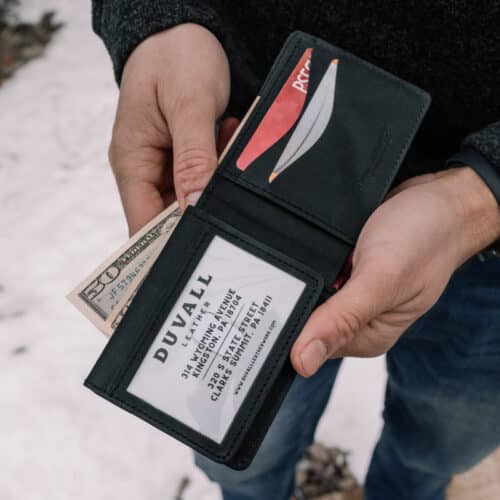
(487, 143)
(124, 24)
(479, 163)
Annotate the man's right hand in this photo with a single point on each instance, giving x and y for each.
(174, 86)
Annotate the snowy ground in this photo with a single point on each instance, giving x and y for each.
(60, 216)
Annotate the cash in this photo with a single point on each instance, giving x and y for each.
(105, 295)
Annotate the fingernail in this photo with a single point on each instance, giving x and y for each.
(192, 198)
(313, 356)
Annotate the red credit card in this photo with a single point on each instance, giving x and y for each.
(281, 115)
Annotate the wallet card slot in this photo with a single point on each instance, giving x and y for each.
(143, 333)
(345, 141)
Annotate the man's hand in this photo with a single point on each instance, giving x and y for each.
(404, 257)
(174, 86)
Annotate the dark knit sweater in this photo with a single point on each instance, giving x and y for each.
(451, 48)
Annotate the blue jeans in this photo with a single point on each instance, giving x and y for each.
(442, 403)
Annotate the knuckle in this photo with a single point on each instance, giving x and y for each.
(194, 158)
(346, 325)
(193, 166)
(112, 154)
(115, 148)
(120, 151)
(122, 175)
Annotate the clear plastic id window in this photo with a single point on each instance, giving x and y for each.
(216, 338)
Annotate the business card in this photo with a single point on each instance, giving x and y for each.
(208, 352)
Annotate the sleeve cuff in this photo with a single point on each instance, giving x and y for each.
(471, 158)
(486, 142)
(125, 24)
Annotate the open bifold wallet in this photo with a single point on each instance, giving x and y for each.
(203, 351)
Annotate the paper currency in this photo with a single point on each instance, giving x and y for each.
(104, 296)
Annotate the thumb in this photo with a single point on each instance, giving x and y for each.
(194, 150)
(337, 321)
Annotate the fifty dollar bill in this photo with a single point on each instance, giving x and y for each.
(104, 296)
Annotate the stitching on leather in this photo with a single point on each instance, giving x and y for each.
(403, 151)
(273, 362)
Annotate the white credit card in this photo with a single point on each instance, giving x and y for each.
(216, 338)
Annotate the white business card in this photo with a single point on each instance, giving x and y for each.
(215, 340)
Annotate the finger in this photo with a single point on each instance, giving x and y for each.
(139, 174)
(226, 131)
(339, 320)
(141, 202)
(194, 152)
(138, 152)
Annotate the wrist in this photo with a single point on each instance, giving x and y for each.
(205, 66)
(181, 61)
(476, 209)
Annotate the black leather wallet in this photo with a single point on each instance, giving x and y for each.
(203, 351)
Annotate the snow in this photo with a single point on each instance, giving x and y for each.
(60, 217)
